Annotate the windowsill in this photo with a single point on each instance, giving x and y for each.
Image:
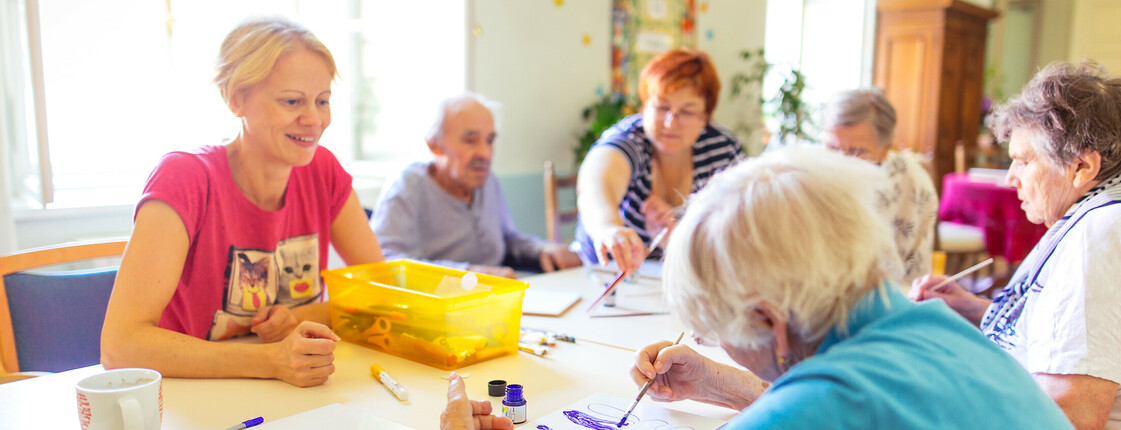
(50, 214)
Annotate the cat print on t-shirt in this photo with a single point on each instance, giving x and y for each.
(257, 278)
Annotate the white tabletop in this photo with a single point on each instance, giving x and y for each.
(569, 372)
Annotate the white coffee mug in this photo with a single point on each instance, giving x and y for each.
(129, 399)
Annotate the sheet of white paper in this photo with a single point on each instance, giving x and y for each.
(332, 416)
(640, 296)
(602, 412)
(548, 303)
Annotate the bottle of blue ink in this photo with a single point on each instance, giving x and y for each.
(513, 406)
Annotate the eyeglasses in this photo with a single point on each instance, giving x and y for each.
(685, 117)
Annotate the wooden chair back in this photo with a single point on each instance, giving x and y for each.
(15, 264)
(554, 216)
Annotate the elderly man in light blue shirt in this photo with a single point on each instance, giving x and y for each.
(450, 211)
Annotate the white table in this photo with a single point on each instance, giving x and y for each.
(569, 372)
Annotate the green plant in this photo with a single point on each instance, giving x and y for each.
(786, 105)
(601, 115)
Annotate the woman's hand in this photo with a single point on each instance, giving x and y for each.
(679, 372)
(501, 272)
(305, 357)
(557, 257)
(462, 413)
(956, 297)
(623, 245)
(659, 214)
(274, 323)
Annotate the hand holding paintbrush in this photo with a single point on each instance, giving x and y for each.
(642, 392)
(920, 291)
(654, 243)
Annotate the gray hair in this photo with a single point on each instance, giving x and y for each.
(1069, 110)
(857, 106)
(797, 228)
(455, 104)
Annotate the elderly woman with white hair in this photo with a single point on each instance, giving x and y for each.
(781, 261)
(861, 123)
(1060, 312)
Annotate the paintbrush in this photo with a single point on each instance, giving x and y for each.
(961, 274)
(641, 393)
(622, 273)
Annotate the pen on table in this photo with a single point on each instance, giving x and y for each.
(572, 339)
(389, 383)
(247, 424)
(961, 274)
(622, 273)
(645, 387)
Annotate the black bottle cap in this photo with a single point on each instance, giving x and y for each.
(496, 388)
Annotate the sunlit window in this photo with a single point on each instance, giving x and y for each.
(126, 81)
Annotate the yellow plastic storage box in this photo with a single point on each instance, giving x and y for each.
(422, 312)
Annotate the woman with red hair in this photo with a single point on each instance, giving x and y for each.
(643, 168)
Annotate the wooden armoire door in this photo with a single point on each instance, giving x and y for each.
(930, 60)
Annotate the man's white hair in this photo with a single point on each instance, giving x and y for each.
(797, 228)
(452, 105)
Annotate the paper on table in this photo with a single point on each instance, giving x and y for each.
(640, 297)
(602, 412)
(547, 302)
(333, 416)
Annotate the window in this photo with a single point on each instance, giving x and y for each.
(126, 81)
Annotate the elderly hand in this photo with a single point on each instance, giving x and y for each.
(622, 244)
(659, 214)
(306, 357)
(679, 372)
(557, 257)
(501, 272)
(462, 413)
(956, 297)
(273, 323)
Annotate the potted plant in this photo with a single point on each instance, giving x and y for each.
(601, 115)
(785, 106)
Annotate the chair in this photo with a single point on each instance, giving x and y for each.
(52, 321)
(554, 217)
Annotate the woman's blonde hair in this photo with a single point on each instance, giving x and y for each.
(250, 51)
(796, 227)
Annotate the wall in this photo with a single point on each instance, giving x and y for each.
(1095, 33)
(1026, 36)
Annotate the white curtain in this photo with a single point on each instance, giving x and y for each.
(13, 119)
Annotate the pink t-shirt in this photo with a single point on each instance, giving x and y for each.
(242, 257)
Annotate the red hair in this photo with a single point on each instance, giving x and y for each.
(676, 69)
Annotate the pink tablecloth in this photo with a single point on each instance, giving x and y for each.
(995, 209)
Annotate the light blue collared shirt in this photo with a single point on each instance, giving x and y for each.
(419, 220)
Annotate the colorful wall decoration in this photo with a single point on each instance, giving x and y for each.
(642, 29)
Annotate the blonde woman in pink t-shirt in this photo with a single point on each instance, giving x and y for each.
(228, 240)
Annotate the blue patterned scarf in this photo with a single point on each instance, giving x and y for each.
(999, 323)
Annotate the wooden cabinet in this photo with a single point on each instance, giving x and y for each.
(930, 60)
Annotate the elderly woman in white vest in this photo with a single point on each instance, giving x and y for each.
(1060, 314)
